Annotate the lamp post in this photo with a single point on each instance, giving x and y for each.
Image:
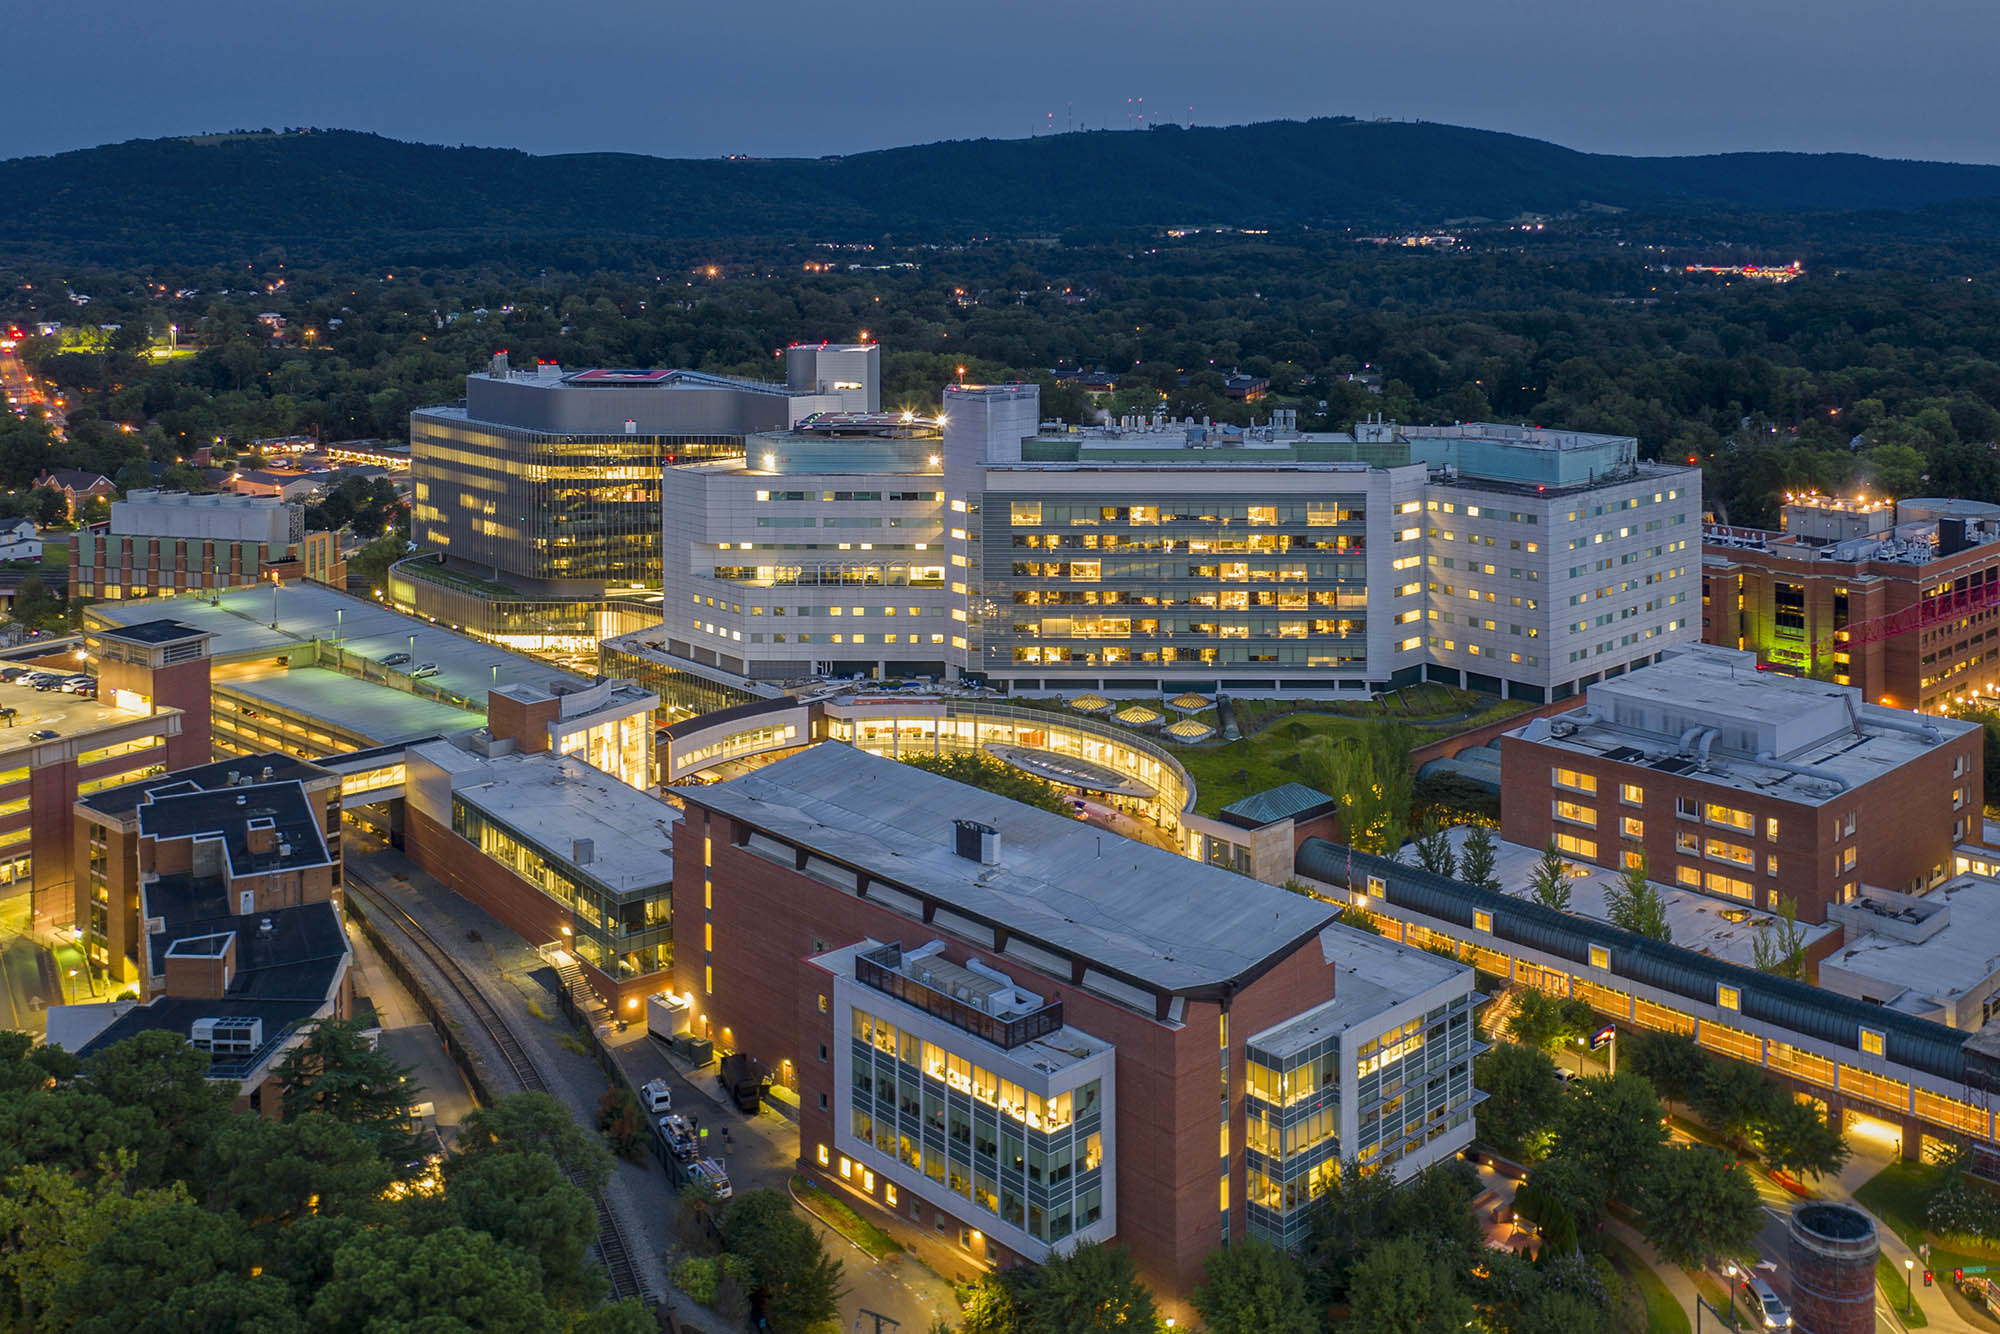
(1730, 1270)
(1910, 1287)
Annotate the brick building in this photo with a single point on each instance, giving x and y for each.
(1019, 1032)
(160, 543)
(1749, 786)
(222, 885)
(1901, 602)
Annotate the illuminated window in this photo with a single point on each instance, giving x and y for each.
(1871, 1042)
(1585, 848)
(1632, 827)
(1631, 794)
(1482, 921)
(1600, 956)
(822, 1155)
(846, 1169)
(708, 981)
(1574, 781)
(1575, 813)
(1728, 998)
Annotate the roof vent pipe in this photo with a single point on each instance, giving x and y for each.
(1701, 746)
(1687, 739)
(1771, 761)
(1924, 730)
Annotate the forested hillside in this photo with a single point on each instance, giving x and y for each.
(331, 194)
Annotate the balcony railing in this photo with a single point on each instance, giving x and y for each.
(881, 969)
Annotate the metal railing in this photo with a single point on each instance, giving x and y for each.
(880, 969)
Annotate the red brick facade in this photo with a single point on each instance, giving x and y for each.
(1919, 668)
(746, 928)
(1905, 822)
(523, 908)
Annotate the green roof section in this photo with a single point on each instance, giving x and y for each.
(1285, 802)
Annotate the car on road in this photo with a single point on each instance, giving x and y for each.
(680, 1138)
(711, 1174)
(657, 1096)
(426, 669)
(44, 734)
(395, 660)
(1766, 1307)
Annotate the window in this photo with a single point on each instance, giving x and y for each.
(1718, 850)
(1771, 829)
(1728, 816)
(1482, 921)
(1585, 848)
(1871, 1042)
(1727, 997)
(822, 1155)
(1575, 814)
(1687, 843)
(1574, 781)
(1631, 794)
(1687, 808)
(1632, 827)
(1600, 956)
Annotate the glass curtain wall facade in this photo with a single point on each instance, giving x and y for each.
(1368, 1100)
(1034, 1164)
(1167, 581)
(544, 507)
(623, 935)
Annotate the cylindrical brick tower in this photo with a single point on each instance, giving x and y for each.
(1833, 1269)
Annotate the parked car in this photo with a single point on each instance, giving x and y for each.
(426, 669)
(1766, 1307)
(657, 1096)
(76, 685)
(679, 1136)
(10, 674)
(44, 734)
(710, 1173)
(395, 660)
(34, 678)
(48, 683)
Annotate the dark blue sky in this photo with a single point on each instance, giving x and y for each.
(1908, 78)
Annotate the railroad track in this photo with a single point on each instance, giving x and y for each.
(612, 1250)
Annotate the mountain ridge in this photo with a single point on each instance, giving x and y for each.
(334, 191)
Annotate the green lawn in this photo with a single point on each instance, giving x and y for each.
(1663, 1314)
(835, 1213)
(1897, 1195)
(1895, 1290)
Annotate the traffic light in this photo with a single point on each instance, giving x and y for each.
(1927, 1278)
(1958, 1276)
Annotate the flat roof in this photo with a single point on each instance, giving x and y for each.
(268, 766)
(240, 623)
(1946, 965)
(56, 711)
(553, 802)
(1705, 923)
(370, 709)
(1372, 975)
(187, 810)
(1136, 910)
(153, 632)
(1788, 737)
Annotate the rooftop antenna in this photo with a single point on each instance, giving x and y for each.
(1069, 117)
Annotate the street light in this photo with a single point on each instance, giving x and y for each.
(1730, 1269)
(1909, 1287)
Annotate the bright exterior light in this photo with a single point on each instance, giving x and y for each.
(770, 461)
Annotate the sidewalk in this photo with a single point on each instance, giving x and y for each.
(1676, 1278)
(1940, 1304)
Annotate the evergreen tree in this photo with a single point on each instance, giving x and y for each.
(1434, 852)
(1548, 883)
(1475, 860)
(1780, 944)
(1636, 904)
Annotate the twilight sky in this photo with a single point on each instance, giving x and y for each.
(1898, 78)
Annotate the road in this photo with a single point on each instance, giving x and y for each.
(25, 392)
(24, 994)
(760, 1153)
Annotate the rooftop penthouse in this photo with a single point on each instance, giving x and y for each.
(1709, 713)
